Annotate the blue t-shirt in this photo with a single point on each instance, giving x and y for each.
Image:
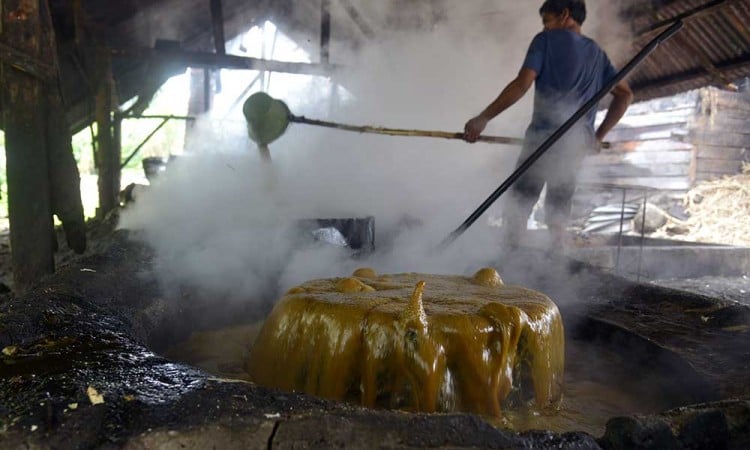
(571, 69)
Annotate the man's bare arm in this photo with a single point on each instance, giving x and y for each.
(623, 98)
(513, 92)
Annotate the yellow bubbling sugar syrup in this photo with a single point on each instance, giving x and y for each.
(417, 342)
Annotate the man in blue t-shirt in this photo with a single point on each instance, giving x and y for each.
(568, 69)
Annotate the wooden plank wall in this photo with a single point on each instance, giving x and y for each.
(650, 147)
(721, 133)
(669, 144)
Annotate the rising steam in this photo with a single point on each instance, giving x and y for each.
(221, 220)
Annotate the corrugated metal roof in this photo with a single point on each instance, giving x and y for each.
(712, 49)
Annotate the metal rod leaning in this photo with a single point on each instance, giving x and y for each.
(619, 234)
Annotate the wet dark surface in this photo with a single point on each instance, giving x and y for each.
(688, 329)
(86, 329)
(711, 336)
(92, 324)
(732, 289)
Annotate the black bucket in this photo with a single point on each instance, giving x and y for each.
(153, 166)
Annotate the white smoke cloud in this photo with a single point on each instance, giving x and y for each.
(221, 220)
(613, 34)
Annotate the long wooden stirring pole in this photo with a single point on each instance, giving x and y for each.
(407, 133)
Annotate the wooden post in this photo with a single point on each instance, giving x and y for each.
(107, 157)
(24, 117)
(207, 89)
(117, 143)
(217, 23)
(325, 31)
(77, 10)
(65, 181)
(198, 104)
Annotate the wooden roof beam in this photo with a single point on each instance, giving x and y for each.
(356, 17)
(197, 59)
(737, 65)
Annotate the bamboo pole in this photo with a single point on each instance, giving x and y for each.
(407, 132)
(107, 157)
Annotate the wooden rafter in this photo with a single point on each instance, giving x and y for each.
(687, 43)
(741, 64)
(196, 59)
(356, 17)
(718, 76)
(686, 17)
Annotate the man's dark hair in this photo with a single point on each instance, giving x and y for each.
(577, 8)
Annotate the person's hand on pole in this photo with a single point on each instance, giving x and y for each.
(598, 145)
(508, 97)
(474, 127)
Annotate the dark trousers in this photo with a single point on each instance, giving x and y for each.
(558, 169)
